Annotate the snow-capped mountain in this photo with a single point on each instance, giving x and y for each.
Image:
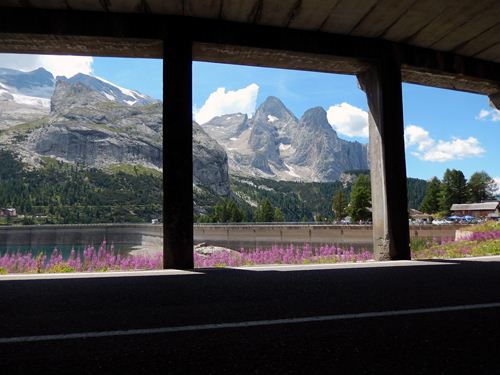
(25, 96)
(37, 83)
(110, 90)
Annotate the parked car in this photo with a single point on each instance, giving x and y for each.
(441, 222)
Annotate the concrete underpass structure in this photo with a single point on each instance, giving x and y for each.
(454, 45)
(401, 317)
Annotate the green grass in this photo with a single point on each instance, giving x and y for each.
(134, 170)
(27, 126)
(485, 227)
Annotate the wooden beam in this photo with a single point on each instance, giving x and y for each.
(230, 54)
(177, 151)
(382, 84)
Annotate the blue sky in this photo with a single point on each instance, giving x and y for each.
(444, 128)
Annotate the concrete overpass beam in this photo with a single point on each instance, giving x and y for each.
(382, 85)
(177, 151)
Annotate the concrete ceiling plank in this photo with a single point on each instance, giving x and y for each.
(92, 5)
(480, 43)
(416, 18)
(449, 21)
(491, 54)
(11, 3)
(203, 8)
(239, 10)
(346, 15)
(277, 12)
(471, 29)
(123, 6)
(174, 7)
(385, 14)
(47, 4)
(312, 14)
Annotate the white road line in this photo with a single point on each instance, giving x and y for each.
(247, 324)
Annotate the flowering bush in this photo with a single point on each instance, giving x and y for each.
(107, 259)
(101, 259)
(282, 255)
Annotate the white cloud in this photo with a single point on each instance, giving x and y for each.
(415, 135)
(455, 149)
(348, 120)
(489, 115)
(221, 103)
(58, 65)
(430, 150)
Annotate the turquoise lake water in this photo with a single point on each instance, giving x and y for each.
(64, 249)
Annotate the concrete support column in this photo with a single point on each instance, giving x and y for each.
(495, 100)
(382, 85)
(177, 151)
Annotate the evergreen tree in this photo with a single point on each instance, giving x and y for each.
(228, 211)
(453, 189)
(265, 212)
(360, 199)
(278, 215)
(430, 203)
(416, 188)
(221, 214)
(481, 187)
(235, 213)
(339, 205)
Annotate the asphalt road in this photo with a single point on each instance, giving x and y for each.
(406, 318)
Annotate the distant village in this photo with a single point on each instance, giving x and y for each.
(462, 213)
(8, 212)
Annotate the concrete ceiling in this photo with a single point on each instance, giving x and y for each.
(465, 27)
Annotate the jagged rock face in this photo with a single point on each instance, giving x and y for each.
(86, 127)
(318, 147)
(274, 143)
(224, 128)
(210, 168)
(270, 127)
(273, 113)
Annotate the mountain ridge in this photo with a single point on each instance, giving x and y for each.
(274, 143)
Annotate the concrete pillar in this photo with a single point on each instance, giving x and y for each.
(495, 100)
(382, 85)
(177, 152)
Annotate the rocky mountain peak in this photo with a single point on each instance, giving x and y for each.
(68, 95)
(42, 75)
(316, 118)
(110, 90)
(272, 110)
